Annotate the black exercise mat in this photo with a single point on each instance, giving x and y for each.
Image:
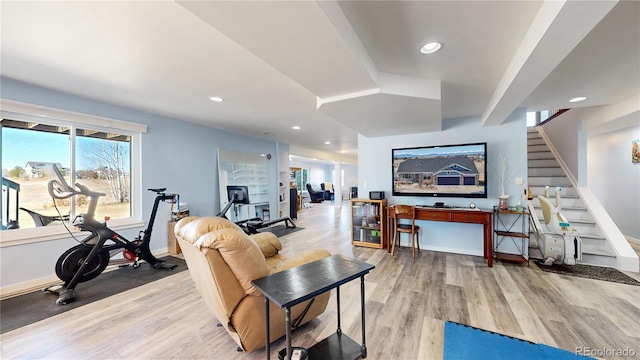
(281, 230)
(589, 271)
(38, 305)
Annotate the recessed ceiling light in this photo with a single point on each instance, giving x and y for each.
(296, 127)
(579, 98)
(216, 99)
(327, 142)
(430, 48)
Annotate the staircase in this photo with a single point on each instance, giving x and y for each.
(544, 170)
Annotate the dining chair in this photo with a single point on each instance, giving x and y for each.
(405, 212)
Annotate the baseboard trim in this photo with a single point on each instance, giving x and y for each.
(27, 287)
(22, 288)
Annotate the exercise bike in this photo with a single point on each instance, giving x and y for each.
(251, 226)
(89, 259)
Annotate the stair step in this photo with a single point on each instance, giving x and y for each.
(546, 171)
(564, 196)
(599, 260)
(541, 163)
(536, 141)
(590, 236)
(551, 181)
(540, 155)
(597, 251)
(537, 147)
(543, 166)
(564, 207)
(583, 222)
(567, 191)
(573, 217)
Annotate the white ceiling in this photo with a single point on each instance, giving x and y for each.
(335, 69)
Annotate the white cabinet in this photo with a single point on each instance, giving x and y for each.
(257, 173)
(244, 169)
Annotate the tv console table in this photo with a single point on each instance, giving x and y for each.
(293, 286)
(460, 215)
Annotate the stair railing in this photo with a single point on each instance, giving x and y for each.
(554, 115)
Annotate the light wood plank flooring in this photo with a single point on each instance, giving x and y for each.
(407, 302)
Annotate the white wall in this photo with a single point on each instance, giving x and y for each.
(316, 172)
(566, 135)
(375, 170)
(177, 155)
(614, 179)
(350, 179)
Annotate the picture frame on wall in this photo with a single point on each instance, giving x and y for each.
(635, 151)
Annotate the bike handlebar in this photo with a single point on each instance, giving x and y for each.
(59, 189)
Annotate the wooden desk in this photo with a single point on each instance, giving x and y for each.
(459, 215)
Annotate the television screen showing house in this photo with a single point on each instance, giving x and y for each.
(453, 170)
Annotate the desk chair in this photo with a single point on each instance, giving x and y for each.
(327, 188)
(404, 212)
(315, 195)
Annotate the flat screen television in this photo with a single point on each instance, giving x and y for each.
(441, 171)
(238, 194)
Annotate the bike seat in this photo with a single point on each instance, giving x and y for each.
(158, 190)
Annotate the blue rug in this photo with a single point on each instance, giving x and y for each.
(467, 342)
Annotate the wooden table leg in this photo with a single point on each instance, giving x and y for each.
(488, 242)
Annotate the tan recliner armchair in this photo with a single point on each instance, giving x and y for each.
(223, 261)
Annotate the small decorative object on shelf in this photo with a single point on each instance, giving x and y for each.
(519, 206)
(179, 210)
(503, 202)
(503, 175)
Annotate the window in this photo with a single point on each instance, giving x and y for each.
(98, 153)
(532, 119)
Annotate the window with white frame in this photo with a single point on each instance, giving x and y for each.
(98, 153)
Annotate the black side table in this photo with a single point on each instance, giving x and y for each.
(286, 290)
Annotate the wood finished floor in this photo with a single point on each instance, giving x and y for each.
(407, 302)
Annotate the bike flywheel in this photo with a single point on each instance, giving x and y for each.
(69, 263)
